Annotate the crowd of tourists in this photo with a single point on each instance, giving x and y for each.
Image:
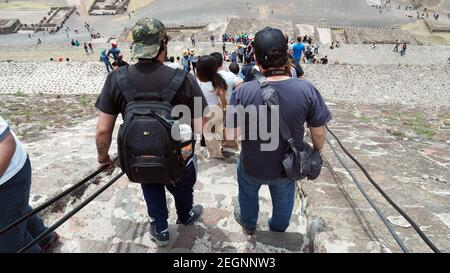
(213, 92)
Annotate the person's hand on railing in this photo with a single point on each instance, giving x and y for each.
(107, 164)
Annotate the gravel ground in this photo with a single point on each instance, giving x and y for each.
(404, 84)
(383, 84)
(364, 54)
(37, 116)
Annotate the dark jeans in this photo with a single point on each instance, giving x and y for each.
(14, 197)
(282, 191)
(241, 58)
(109, 67)
(183, 192)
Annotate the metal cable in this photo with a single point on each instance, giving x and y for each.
(53, 200)
(66, 217)
(392, 203)
(377, 210)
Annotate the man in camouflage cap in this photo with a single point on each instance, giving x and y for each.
(148, 36)
(150, 74)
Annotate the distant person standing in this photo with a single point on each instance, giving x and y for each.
(114, 51)
(403, 51)
(193, 39)
(212, 40)
(397, 45)
(240, 53)
(105, 59)
(297, 51)
(186, 61)
(316, 48)
(91, 48)
(194, 61)
(86, 48)
(233, 56)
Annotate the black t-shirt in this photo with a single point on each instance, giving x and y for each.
(149, 77)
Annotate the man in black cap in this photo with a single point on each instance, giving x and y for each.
(300, 103)
(152, 76)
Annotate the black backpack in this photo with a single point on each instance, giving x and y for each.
(147, 152)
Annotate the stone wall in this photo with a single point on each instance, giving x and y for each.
(57, 16)
(108, 7)
(251, 26)
(379, 36)
(436, 26)
(9, 26)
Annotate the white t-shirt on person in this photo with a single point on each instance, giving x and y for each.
(231, 79)
(209, 92)
(20, 155)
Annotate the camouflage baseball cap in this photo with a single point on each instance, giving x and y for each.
(148, 35)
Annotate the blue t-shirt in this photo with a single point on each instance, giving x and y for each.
(300, 102)
(115, 52)
(297, 50)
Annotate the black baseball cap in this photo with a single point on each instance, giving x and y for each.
(270, 41)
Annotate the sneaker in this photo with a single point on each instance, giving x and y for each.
(237, 217)
(195, 213)
(160, 238)
(52, 243)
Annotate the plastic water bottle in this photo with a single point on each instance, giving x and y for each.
(186, 136)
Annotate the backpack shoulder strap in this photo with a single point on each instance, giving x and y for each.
(270, 98)
(170, 91)
(126, 88)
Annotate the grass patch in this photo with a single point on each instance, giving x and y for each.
(421, 126)
(393, 117)
(365, 118)
(84, 101)
(19, 94)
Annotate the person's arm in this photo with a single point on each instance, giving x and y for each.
(222, 97)
(318, 136)
(103, 137)
(7, 149)
(319, 115)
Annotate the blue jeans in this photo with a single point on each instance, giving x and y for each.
(183, 193)
(14, 197)
(282, 191)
